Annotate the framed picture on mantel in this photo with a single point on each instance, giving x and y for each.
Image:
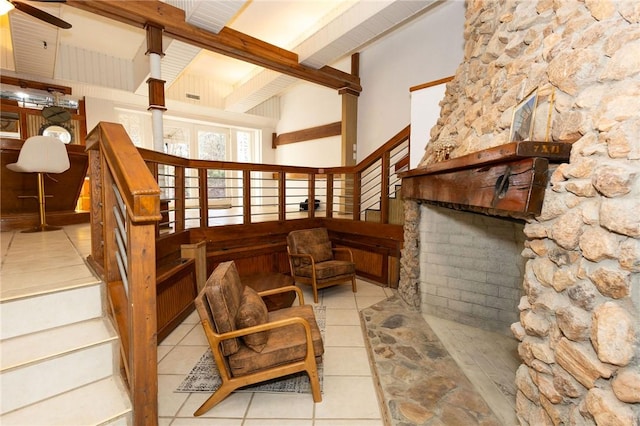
(523, 116)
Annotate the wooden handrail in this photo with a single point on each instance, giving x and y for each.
(396, 140)
(139, 189)
(123, 246)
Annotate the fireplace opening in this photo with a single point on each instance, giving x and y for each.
(471, 267)
(471, 273)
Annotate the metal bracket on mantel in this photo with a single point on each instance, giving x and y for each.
(508, 180)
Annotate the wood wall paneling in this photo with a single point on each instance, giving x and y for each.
(175, 290)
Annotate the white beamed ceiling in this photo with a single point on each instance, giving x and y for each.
(35, 44)
(211, 15)
(119, 63)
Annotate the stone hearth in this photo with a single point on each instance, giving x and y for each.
(418, 381)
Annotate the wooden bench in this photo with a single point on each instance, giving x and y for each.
(175, 291)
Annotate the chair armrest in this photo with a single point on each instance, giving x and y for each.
(344, 250)
(266, 326)
(284, 290)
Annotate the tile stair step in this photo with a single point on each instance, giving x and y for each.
(63, 369)
(103, 402)
(35, 347)
(50, 310)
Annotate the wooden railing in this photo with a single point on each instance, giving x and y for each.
(142, 199)
(378, 174)
(202, 194)
(125, 209)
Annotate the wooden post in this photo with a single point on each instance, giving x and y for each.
(350, 131)
(384, 188)
(246, 197)
(311, 189)
(350, 117)
(143, 362)
(349, 126)
(156, 85)
(329, 195)
(203, 194)
(198, 252)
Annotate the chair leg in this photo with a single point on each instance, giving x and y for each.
(315, 293)
(314, 381)
(354, 288)
(221, 393)
(43, 227)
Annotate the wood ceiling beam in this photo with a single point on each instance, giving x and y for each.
(30, 84)
(227, 42)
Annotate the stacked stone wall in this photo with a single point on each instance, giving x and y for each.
(579, 319)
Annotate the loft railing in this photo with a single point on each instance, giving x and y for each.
(125, 201)
(201, 194)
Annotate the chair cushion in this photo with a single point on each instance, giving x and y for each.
(224, 294)
(285, 344)
(253, 311)
(328, 269)
(313, 241)
(320, 252)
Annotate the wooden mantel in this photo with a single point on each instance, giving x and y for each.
(508, 180)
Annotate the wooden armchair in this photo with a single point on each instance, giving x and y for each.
(313, 261)
(251, 345)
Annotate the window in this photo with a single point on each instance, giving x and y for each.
(243, 142)
(193, 138)
(176, 141)
(213, 146)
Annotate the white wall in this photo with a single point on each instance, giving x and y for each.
(427, 49)
(425, 111)
(303, 106)
(99, 110)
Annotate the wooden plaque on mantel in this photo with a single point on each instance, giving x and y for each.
(507, 180)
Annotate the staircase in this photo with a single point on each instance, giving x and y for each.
(59, 360)
(396, 210)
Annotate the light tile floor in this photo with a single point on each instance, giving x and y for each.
(349, 397)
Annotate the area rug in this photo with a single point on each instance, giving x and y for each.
(204, 376)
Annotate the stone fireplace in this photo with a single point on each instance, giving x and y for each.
(576, 311)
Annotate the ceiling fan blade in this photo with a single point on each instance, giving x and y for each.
(41, 14)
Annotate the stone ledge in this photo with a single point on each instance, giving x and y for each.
(417, 381)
